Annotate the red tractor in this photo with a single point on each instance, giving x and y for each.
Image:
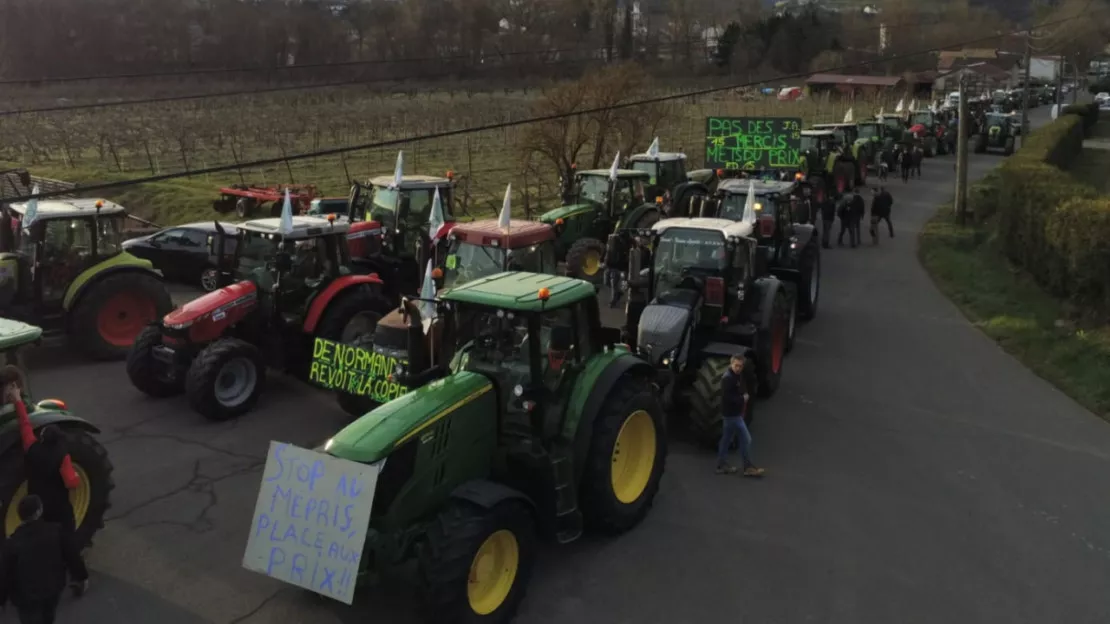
(290, 288)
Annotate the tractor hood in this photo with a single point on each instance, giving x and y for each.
(376, 434)
(215, 302)
(566, 212)
(663, 329)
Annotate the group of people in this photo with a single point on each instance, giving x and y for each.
(851, 211)
(44, 550)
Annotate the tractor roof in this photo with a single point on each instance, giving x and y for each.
(663, 156)
(518, 290)
(411, 182)
(70, 208)
(621, 173)
(16, 334)
(817, 133)
(303, 226)
(833, 126)
(762, 187)
(727, 227)
(521, 233)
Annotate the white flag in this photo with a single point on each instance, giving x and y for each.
(882, 109)
(286, 227)
(901, 105)
(613, 169)
(749, 204)
(427, 294)
(505, 220)
(31, 212)
(653, 149)
(398, 170)
(436, 220)
(913, 105)
(848, 116)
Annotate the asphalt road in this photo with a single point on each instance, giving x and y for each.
(916, 473)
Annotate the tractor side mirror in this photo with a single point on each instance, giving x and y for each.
(283, 262)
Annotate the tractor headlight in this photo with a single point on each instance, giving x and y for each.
(518, 390)
(669, 356)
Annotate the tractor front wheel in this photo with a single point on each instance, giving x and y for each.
(348, 320)
(628, 452)
(225, 379)
(109, 318)
(809, 287)
(772, 346)
(704, 399)
(584, 260)
(477, 562)
(90, 500)
(143, 369)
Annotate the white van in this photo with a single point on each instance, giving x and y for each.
(952, 101)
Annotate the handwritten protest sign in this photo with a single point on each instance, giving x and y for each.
(354, 370)
(751, 143)
(310, 520)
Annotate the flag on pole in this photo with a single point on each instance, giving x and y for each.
(913, 105)
(901, 106)
(398, 170)
(286, 226)
(427, 295)
(653, 149)
(505, 219)
(848, 116)
(613, 169)
(749, 204)
(31, 212)
(436, 220)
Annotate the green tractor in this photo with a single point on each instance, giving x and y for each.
(541, 426)
(829, 168)
(69, 273)
(895, 127)
(601, 206)
(670, 180)
(925, 125)
(883, 140)
(862, 149)
(92, 498)
(997, 133)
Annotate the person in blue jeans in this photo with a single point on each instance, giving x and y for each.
(734, 405)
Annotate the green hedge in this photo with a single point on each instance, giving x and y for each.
(1088, 112)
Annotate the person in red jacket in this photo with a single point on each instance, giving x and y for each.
(50, 472)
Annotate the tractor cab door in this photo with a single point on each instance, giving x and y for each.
(61, 249)
(567, 341)
(312, 266)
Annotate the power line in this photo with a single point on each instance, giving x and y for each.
(495, 126)
(347, 83)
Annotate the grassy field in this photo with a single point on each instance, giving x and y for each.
(121, 143)
(1008, 306)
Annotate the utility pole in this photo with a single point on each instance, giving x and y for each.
(1025, 85)
(961, 152)
(1060, 84)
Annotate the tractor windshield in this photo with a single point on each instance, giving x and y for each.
(732, 206)
(467, 262)
(414, 206)
(108, 235)
(925, 119)
(810, 142)
(684, 252)
(255, 252)
(500, 346)
(867, 131)
(596, 189)
(665, 173)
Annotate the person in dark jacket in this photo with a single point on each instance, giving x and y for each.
(616, 262)
(828, 215)
(881, 204)
(734, 406)
(35, 560)
(850, 217)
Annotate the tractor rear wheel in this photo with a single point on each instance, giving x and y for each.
(585, 260)
(143, 369)
(90, 500)
(116, 308)
(628, 452)
(809, 287)
(244, 208)
(477, 562)
(348, 320)
(225, 379)
(772, 346)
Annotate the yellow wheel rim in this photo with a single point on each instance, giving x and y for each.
(80, 498)
(591, 263)
(493, 572)
(633, 457)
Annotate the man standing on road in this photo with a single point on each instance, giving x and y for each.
(881, 204)
(850, 218)
(828, 215)
(734, 406)
(35, 560)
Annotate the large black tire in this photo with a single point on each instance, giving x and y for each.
(348, 319)
(584, 256)
(92, 463)
(771, 346)
(143, 369)
(129, 302)
(447, 562)
(244, 207)
(608, 507)
(210, 372)
(1008, 146)
(809, 286)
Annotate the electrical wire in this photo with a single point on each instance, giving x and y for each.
(497, 126)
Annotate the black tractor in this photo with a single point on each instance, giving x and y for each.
(671, 180)
(705, 295)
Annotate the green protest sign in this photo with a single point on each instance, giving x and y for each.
(351, 369)
(753, 143)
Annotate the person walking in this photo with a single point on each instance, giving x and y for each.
(35, 560)
(734, 406)
(851, 213)
(616, 259)
(50, 472)
(828, 215)
(881, 205)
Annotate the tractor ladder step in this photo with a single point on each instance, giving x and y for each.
(568, 518)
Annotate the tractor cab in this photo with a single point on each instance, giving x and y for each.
(875, 131)
(481, 248)
(895, 126)
(778, 205)
(845, 134)
(672, 182)
(925, 118)
(826, 163)
(611, 199)
(816, 147)
(667, 169)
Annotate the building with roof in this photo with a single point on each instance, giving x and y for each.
(850, 85)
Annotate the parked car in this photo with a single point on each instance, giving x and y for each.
(182, 253)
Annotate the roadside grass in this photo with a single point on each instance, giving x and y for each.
(1008, 306)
